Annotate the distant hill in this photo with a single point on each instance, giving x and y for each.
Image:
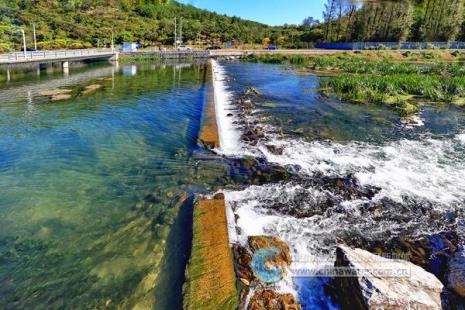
(85, 23)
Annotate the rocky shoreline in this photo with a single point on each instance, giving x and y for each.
(434, 262)
(435, 256)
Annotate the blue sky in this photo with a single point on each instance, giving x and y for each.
(272, 12)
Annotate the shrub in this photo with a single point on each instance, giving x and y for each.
(62, 44)
(5, 47)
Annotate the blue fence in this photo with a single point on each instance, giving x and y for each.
(390, 45)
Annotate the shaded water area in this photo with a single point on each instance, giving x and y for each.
(361, 174)
(89, 183)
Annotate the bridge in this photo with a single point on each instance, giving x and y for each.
(66, 56)
(63, 56)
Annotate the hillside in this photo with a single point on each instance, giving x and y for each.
(85, 23)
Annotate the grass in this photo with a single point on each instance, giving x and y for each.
(398, 90)
(142, 58)
(362, 64)
(389, 78)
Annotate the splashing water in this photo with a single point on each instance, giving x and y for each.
(419, 178)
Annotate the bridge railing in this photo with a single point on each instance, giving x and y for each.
(168, 54)
(34, 55)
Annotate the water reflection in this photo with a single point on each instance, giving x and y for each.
(130, 70)
(23, 86)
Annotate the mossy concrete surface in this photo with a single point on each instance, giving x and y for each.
(210, 277)
(209, 137)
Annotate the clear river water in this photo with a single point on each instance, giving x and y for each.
(88, 183)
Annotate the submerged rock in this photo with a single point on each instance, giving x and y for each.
(260, 242)
(251, 91)
(271, 300)
(256, 171)
(347, 187)
(456, 276)
(253, 263)
(91, 88)
(243, 260)
(61, 97)
(55, 92)
(376, 282)
(263, 261)
(275, 150)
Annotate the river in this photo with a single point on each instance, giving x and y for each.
(88, 183)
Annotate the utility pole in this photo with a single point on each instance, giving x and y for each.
(180, 35)
(35, 40)
(175, 33)
(24, 43)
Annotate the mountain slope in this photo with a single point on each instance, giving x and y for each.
(90, 23)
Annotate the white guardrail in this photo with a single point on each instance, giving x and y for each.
(58, 54)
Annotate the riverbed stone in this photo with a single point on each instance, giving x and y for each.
(348, 187)
(430, 251)
(260, 242)
(91, 88)
(456, 276)
(243, 260)
(272, 300)
(55, 92)
(251, 91)
(273, 149)
(61, 97)
(370, 287)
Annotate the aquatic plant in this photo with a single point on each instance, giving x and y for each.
(369, 78)
(397, 90)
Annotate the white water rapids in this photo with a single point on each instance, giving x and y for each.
(428, 173)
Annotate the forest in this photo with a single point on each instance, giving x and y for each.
(85, 23)
(92, 23)
(393, 21)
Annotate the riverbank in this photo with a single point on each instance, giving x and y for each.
(154, 55)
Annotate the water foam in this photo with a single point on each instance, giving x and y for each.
(461, 138)
(312, 240)
(430, 169)
(253, 218)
